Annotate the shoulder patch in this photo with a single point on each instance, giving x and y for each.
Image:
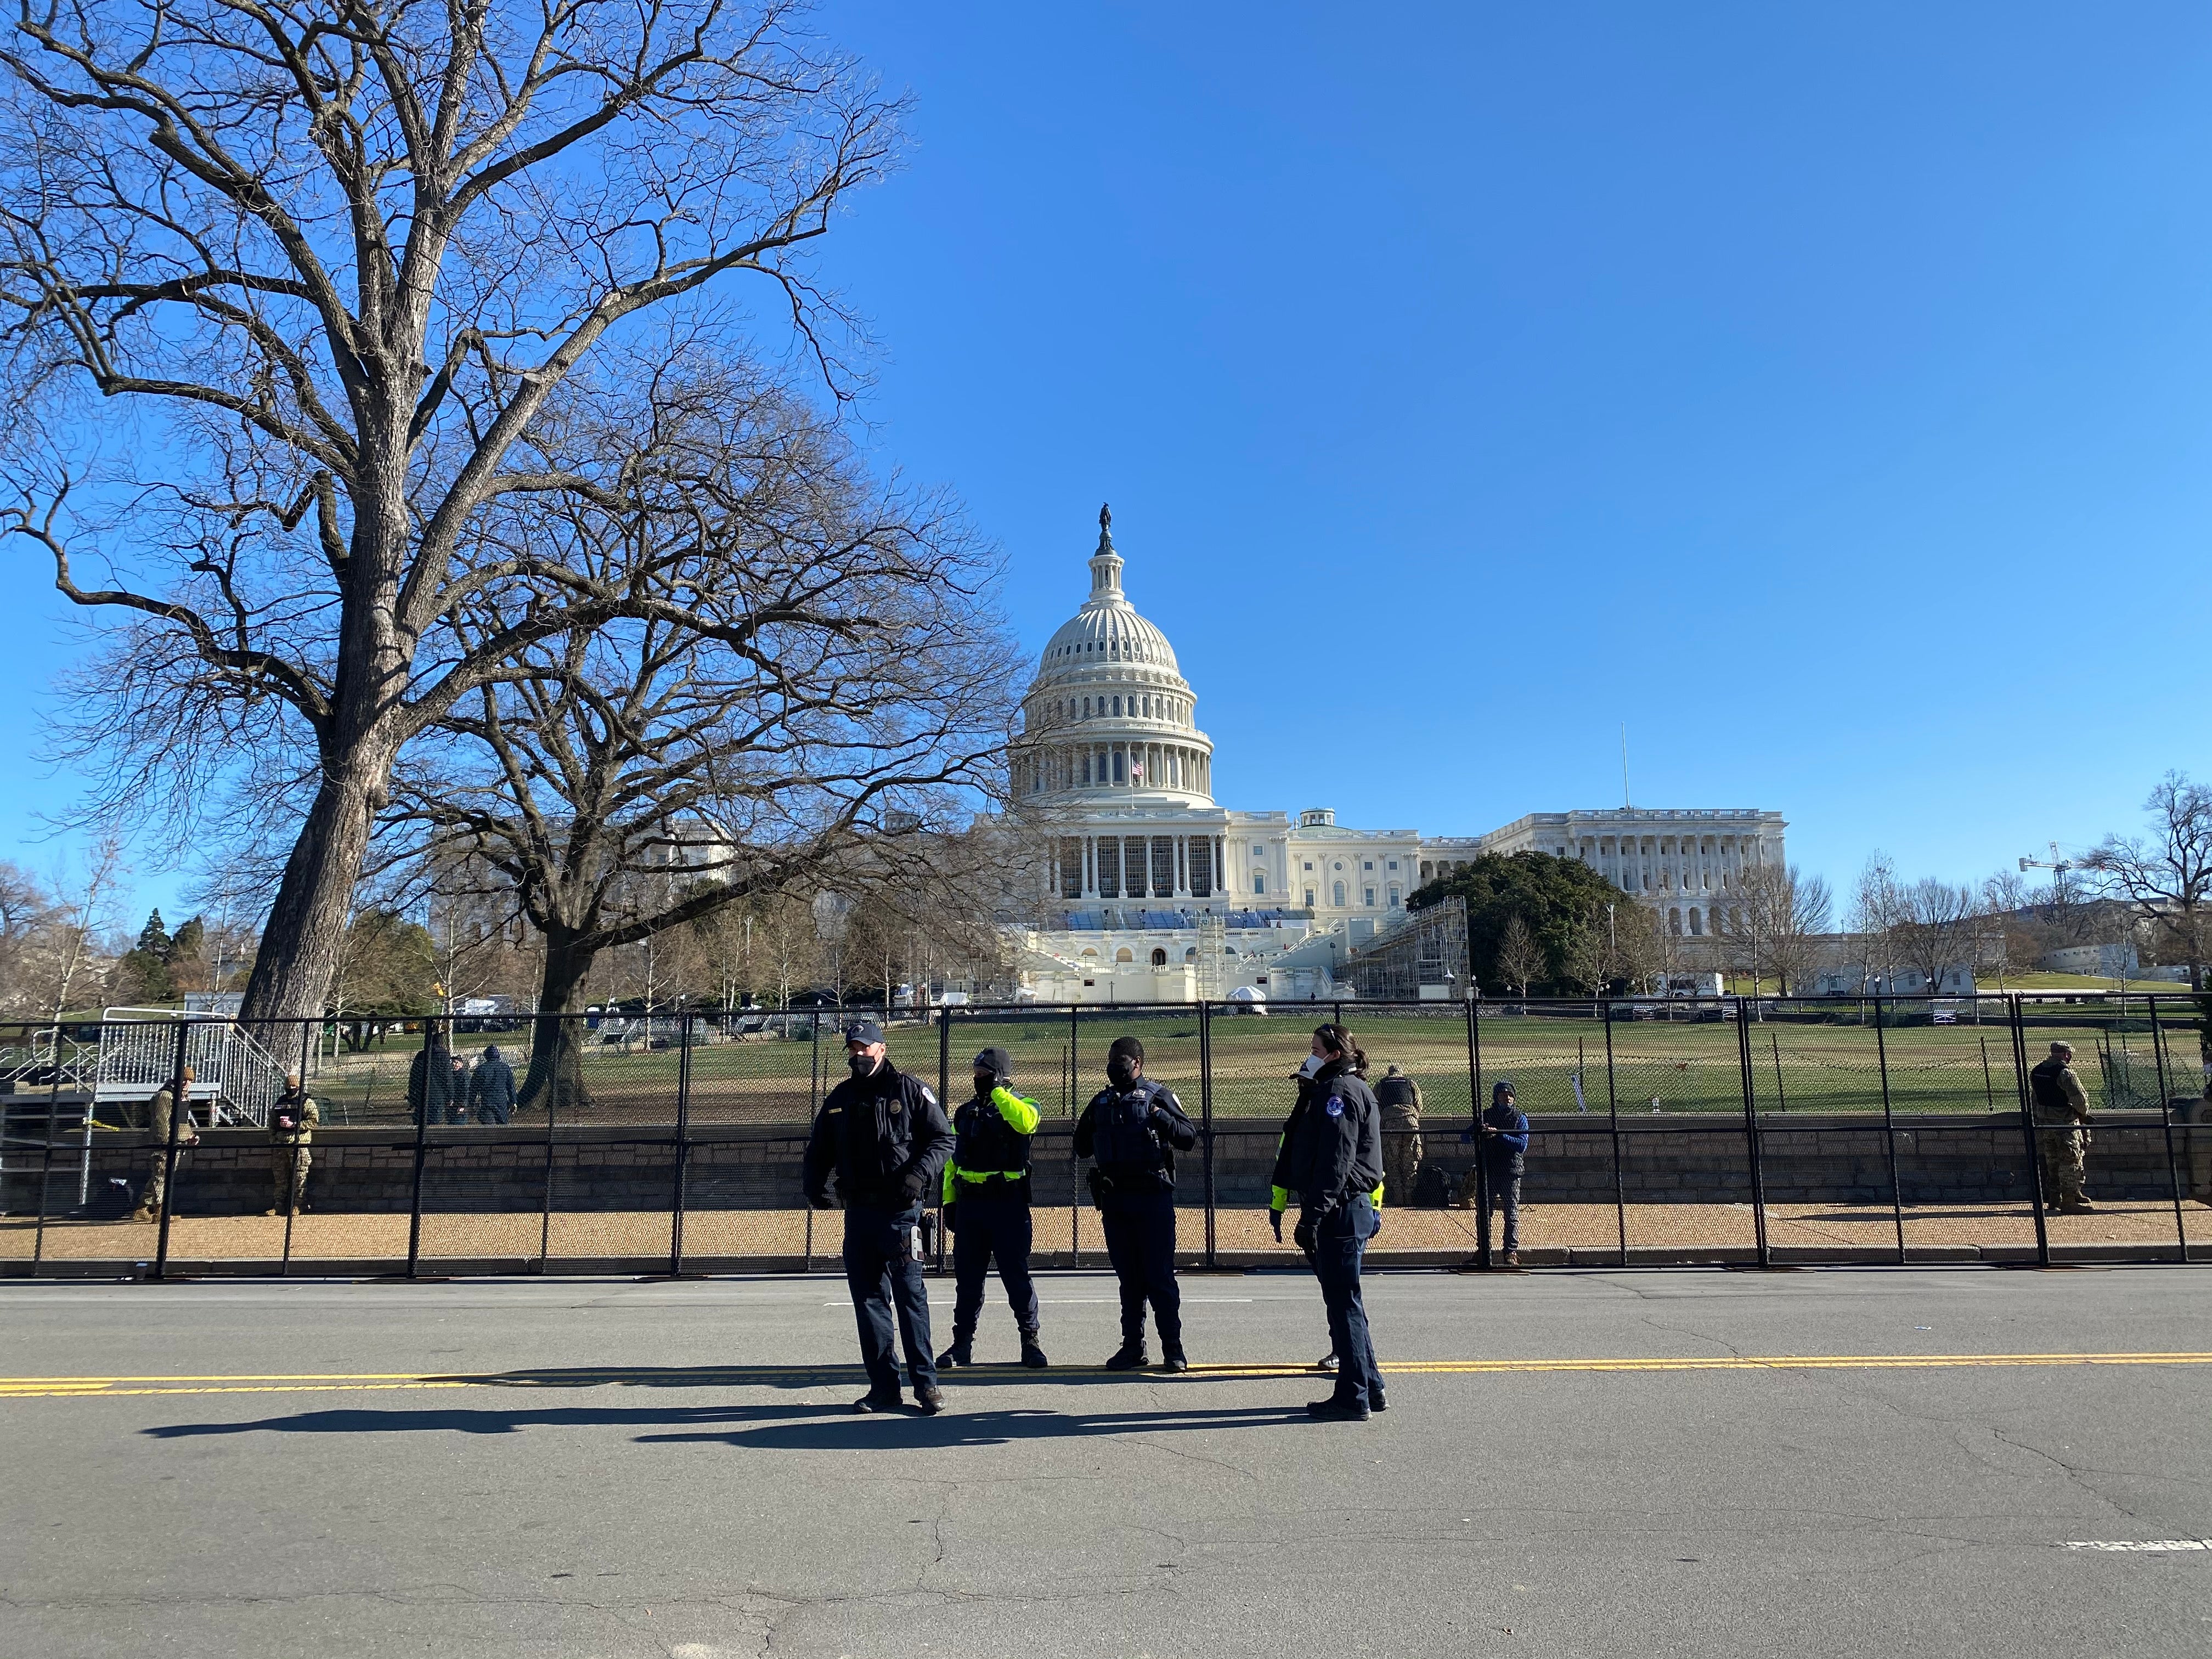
(1335, 1107)
(928, 1095)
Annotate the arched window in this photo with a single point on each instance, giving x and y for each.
(1674, 922)
(1337, 896)
(1117, 708)
(1696, 923)
(1190, 953)
(1159, 959)
(1125, 955)
(1090, 954)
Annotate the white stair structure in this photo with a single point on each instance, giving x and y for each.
(235, 1077)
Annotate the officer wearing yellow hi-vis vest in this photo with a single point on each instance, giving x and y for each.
(987, 1205)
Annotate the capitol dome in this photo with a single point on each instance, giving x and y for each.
(1109, 715)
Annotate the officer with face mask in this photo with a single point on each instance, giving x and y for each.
(883, 1135)
(1133, 1128)
(987, 1205)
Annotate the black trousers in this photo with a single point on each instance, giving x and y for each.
(881, 1272)
(991, 1229)
(1340, 1250)
(1141, 1240)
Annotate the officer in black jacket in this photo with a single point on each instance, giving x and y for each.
(883, 1136)
(1133, 1128)
(987, 1205)
(1335, 1161)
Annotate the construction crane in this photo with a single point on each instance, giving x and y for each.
(2058, 866)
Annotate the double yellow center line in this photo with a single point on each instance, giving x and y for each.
(82, 1388)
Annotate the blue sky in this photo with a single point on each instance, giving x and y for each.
(1823, 392)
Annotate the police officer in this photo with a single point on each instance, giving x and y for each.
(1133, 1128)
(987, 1205)
(1335, 1161)
(883, 1136)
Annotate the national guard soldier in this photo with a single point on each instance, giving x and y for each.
(158, 1119)
(1400, 1096)
(883, 1135)
(987, 1205)
(292, 1120)
(1133, 1128)
(1334, 1159)
(2062, 1134)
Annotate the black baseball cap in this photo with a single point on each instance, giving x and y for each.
(864, 1031)
(997, 1061)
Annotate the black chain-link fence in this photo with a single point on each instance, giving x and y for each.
(1719, 1129)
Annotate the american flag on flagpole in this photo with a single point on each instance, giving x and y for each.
(1136, 771)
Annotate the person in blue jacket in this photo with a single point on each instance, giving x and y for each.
(1503, 1151)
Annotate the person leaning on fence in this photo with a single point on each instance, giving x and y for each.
(2062, 1134)
(1503, 1148)
(1133, 1128)
(987, 1206)
(1334, 1159)
(1400, 1098)
(431, 1080)
(158, 1112)
(292, 1119)
(491, 1088)
(882, 1133)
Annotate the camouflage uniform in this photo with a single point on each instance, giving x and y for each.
(156, 1190)
(289, 1157)
(1401, 1099)
(2062, 1140)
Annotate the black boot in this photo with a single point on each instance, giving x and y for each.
(1033, 1356)
(1171, 1356)
(962, 1352)
(1130, 1355)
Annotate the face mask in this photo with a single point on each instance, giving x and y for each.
(1121, 1072)
(861, 1064)
(985, 1082)
(1311, 1065)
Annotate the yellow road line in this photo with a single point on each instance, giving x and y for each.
(74, 1388)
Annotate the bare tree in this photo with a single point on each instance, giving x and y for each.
(832, 691)
(2165, 877)
(1879, 908)
(343, 271)
(1937, 933)
(1519, 957)
(1784, 913)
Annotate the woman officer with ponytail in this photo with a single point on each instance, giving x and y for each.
(1333, 1160)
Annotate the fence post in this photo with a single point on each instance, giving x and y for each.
(1747, 1072)
(552, 1094)
(1075, 1113)
(683, 1140)
(46, 1151)
(2027, 1131)
(295, 1184)
(1205, 1115)
(1889, 1130)
(2165, 1122)
(1613, 1126)
(180, 1113)
(422, 1146)
(936, 1196)
(1481, 1172)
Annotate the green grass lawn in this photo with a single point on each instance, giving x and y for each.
(1797, 1066)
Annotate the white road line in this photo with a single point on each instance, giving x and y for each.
(2142, 1546)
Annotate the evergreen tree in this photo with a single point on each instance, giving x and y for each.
(1558, 903)
(153, 940)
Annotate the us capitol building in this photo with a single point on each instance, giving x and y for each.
(1147, 891)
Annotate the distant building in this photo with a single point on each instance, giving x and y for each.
(1148, 891)
(2118, 960)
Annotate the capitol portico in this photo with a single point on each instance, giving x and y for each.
(1151, 892)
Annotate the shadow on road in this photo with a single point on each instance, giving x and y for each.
(789, 1428)
(820, 1376)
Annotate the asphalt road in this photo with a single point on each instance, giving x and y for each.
(618, 1469)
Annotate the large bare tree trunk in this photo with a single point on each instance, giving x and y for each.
(556, 1079)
